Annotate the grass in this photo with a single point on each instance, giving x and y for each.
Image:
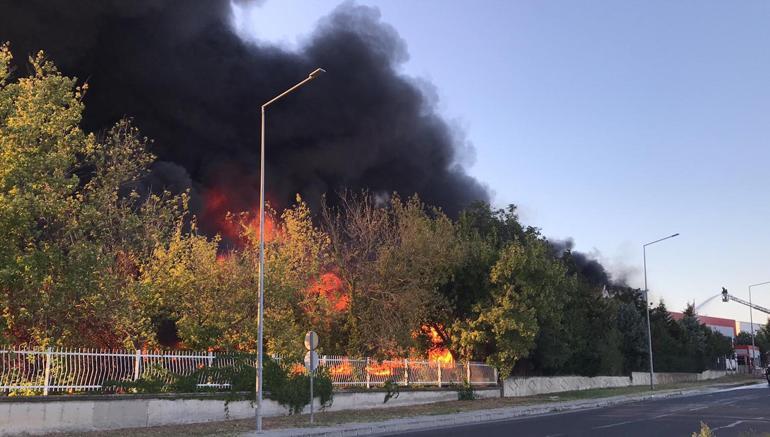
(330, 418)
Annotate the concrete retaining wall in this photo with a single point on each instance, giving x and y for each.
(514, 387)
(94, 413)
(368, 400)
(714, 374)
(643, 378)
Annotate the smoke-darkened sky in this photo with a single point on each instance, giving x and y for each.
(195, 88)
(614, 124)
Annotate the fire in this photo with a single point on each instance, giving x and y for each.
(437, 352)
(297, 369)
(382, 369)
(218, 210)
(441, 355)
(330, 286)
(343, 369)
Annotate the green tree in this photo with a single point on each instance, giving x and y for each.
(693, 339)
(525, 280)
(481, 233)
(297, 256)
(762, 340)
(718, 347)
(666, 336)
(71, 228)
(633, 331)
(743, 338)
(594, 340)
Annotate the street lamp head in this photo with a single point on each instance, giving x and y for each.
(675, 235)
(317, 72)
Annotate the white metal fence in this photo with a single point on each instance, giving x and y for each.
(76, 370)
(365, 372)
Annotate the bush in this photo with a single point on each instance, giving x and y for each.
(292, 390)
(705, 431)
(465, 392)
(391, 390)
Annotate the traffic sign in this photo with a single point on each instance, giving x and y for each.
(311, 361)
(311, 340)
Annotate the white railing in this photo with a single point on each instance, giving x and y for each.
(77, 370)
(365, 372)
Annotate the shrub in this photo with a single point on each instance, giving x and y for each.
(391, 390)
(288, 389)
(465, 392)
(705, 431)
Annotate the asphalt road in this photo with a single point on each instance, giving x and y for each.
(744, 412)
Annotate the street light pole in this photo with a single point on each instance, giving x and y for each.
(647, 299)
(751, 320)
(260, 312)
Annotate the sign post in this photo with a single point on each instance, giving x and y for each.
(311, 362)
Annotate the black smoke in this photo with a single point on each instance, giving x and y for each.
(586, 266)
(195, 87)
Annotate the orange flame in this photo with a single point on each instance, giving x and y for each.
(297, 369)
(437, 352)
(217, 208)
(382, 369)
(343, 369)
(441, 355)
(330, 286)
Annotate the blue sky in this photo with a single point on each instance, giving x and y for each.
(613, 123)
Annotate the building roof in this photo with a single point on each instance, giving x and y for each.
(711, 321)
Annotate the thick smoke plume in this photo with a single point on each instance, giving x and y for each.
(590, 268)
(191, 84)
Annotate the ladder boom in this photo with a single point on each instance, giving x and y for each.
(727, 296)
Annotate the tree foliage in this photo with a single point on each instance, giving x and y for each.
(91, 259)
(73, 230)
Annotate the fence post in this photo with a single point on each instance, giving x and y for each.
(368, 377)
(137, 360)
(406, 371)
(47, 376)
(438, 369)
(468, 371)
(496, 376)
(211, 359)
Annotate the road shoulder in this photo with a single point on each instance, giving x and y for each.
(430, 422)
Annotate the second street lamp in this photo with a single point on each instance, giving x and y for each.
(647, 300)
(261, 314)
(751, 320)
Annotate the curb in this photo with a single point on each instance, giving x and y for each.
(424, 423)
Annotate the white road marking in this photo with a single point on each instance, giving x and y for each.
(615, 424)
(757, 386)
(737, 422)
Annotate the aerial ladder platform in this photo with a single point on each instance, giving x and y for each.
(726, 297)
